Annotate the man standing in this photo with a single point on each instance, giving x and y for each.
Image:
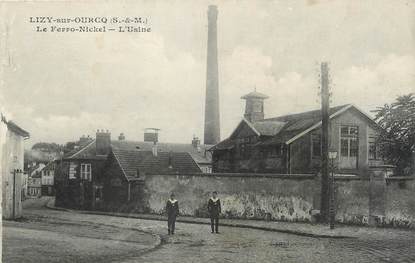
(172, 209)
(214, 209)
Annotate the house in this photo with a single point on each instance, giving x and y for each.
(47, 179)
(35, 168)
(292, 143)
(25, 183)
(125, 169)
(12, 139)
(34, 186)
(78, 174)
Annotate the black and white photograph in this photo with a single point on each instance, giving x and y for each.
(207, 131)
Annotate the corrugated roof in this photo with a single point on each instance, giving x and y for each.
(164, 163)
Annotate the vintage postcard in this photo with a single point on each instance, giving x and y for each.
(207, 131)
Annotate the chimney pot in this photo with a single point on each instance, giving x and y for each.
(154, 149)
(170, 160)
(103, 143)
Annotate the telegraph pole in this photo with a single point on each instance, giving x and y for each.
(325, 101)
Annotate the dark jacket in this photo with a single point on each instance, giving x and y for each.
(214, 207)
(172, 208)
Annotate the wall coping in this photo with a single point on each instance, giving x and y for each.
(350, 178)
(392, 178)
(249, 175)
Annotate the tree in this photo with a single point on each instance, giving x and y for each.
(69, 146)
(47, 147)
(397, 142)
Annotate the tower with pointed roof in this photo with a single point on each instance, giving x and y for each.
(254, 106)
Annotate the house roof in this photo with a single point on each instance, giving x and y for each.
(226, 144)
(49, 167)
(269, 128)
(14, 127)
(36, 170)
(288, 128)
(145, 162)
(255, 94)
(86, 151)
(201, 155)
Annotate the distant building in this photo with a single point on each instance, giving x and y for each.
(34, 186)
(125, 170)
(34, 169)
(78, 176)
(292, 143)
(47, 179)
(11, 167)
(25, 183)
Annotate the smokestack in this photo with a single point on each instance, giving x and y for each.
(212, 123)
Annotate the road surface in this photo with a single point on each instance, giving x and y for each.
(45, 235)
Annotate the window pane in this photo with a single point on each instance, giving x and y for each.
(354, 131)
(372, 150)
(344, 147)
(344, 130)
(354, 147)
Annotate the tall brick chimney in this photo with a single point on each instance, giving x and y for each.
(103, 142)
(212, 122)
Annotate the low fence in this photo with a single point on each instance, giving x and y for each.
(286, 197)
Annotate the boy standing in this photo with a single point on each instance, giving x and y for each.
(214, 209)
(172, 209)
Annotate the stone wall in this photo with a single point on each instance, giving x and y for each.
(284, 197)
(400, 202)
(276, 197)
(352, 200)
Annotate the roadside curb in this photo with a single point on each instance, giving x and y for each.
(190, 221)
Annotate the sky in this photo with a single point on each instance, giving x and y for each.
(60, 86)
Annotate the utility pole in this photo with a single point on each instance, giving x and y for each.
(325, 101)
